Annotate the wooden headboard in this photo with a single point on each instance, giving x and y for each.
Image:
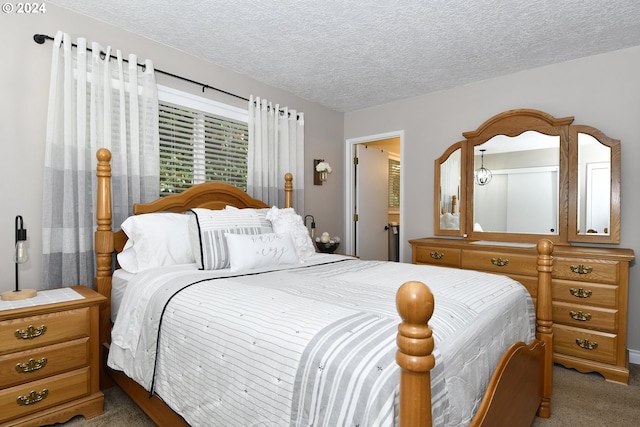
(209, 195)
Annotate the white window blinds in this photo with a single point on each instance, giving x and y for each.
(198, 146)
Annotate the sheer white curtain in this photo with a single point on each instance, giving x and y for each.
(94, 101)
(276, 146)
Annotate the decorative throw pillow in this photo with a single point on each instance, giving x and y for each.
(208, 227)
(155, 240)
(287, 221)
(259, 250)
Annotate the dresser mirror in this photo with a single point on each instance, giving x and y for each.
(527, 176)
(595, 186)
(449, 192)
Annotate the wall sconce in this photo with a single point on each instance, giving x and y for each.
(483, 175)
(20, 257)
(321, 170)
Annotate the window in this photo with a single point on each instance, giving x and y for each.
(394, 183)
(200, 140)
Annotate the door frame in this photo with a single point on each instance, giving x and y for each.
(349, 190)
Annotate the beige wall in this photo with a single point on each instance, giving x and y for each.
(24, 91)
(601, 91)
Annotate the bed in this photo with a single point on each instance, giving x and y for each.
(399, 374)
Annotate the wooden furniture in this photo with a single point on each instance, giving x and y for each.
(524, 367)
(575, 170)
(49, 361)
(589, 292)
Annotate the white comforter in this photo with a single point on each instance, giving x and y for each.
(312, 344)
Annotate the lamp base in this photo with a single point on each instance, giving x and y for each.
(18, 295)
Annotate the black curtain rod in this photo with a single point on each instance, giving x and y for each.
(41, 38)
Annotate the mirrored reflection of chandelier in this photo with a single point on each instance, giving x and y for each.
(483, 175)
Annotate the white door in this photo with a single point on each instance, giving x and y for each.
(372, 188)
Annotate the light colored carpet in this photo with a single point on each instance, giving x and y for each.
(585, 400)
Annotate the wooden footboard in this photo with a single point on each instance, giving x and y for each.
(520, 387)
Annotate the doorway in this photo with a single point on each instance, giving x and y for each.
(367, 233)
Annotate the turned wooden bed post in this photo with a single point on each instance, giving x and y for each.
(544, 322)
(103, 244)
(414, 302)
(288, 190)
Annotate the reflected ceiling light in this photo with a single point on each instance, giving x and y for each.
(483, 175)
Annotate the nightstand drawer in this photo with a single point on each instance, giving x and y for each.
(38, 331)
(585, 293)
(587, 344)
(584, 316)
(37, 395)
(503, 263)
(586, 270)
(437, 256)
(30, 365)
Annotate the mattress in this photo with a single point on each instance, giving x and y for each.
(312, 344)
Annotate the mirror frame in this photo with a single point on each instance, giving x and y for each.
(513, 123)
(614, 188)
(436, 193)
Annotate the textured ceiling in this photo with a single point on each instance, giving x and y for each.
(349, 55)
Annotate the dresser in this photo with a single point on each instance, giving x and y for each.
(589, 294)
(49, 361)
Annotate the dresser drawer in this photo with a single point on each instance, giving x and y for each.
(503, 263)
(437, 256)
(585, 293)
(584, 316)
(586, 270)
(38, 331)
(29, 365)
(43, 393)
(587, 344)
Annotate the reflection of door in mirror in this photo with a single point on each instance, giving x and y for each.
(450, 172)
(522, 196)
(594, 184)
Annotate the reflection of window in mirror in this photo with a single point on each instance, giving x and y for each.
(522, 196)
(450, 172)
(594, 185)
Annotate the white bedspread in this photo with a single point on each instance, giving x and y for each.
(311, 345)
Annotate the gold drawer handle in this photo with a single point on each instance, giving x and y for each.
(581, 269)
(579, 315)
(499, 262)
(580, 292)
(437, 255)
(33, 397)
(586, 344)
(31, 332)
(31, 365)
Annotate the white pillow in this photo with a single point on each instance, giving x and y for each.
(259, 250)
(287, 221)
(207, 228)
(156, 240)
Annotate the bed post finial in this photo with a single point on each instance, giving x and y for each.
(288, 190)
(544, 321)
(415, 304)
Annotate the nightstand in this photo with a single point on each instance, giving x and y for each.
(49, 361)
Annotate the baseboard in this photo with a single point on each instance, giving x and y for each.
(634, 357)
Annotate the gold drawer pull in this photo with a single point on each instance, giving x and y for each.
(437, 255)
(31, 365)
(33, 397)
(499, 262)
(581, 269)
(579, 315)
(586, 344)
(31, 332)
(580, 292)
